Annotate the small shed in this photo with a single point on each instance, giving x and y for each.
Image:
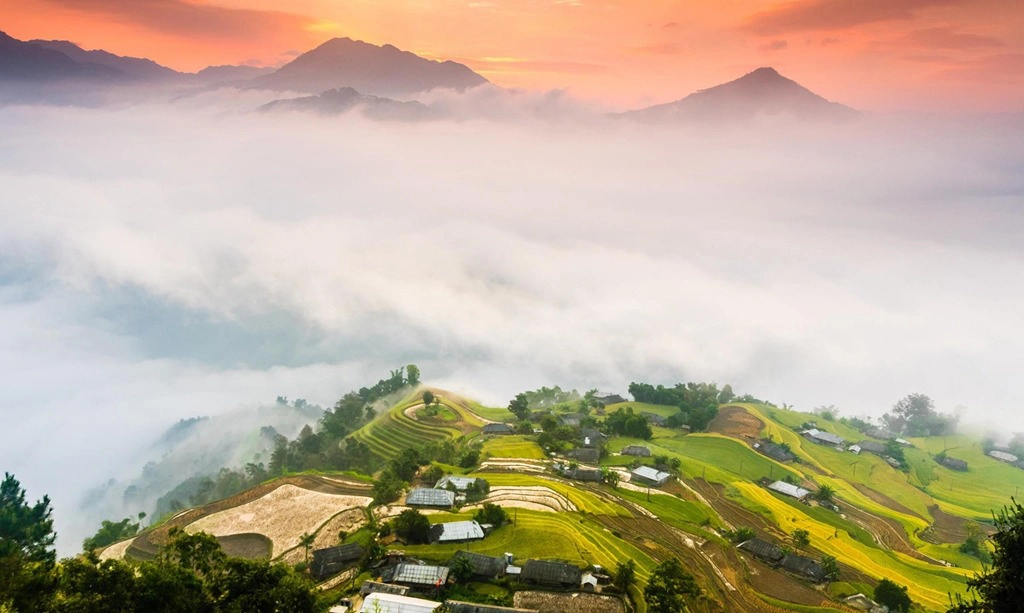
(872, 447)
(654, 418)
(637, 450)
(774, 451)
(485, 567)
(551, 573)
(417, 576)
(762, 549)
(430, 497)
(788, 489)
(1002, 456)
(499, 429)
(456, 532)
(333, 560)
(650, 476)
(588, 582)
(824, 438)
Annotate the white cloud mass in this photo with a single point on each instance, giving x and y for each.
(168, 260)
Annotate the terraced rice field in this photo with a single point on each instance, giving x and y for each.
(513, 447)
(585, 500)
(535, 498)
(399, 429)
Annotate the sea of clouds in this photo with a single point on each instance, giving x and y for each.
(161, 260)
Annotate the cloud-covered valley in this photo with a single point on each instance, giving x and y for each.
(168, 260)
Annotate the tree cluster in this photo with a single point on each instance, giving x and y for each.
(697, 402)
(915, 415)
(627, 423)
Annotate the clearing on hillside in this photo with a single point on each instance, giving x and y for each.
(736, 422)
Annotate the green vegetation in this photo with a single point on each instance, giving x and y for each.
(513, 447)
(999, 588)
(893, 596)
(112, 532)
(668, 588)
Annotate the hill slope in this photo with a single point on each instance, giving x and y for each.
(372, 70)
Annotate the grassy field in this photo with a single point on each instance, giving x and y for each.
(721, 459)
(513, 447)
(987, 485)
(643, 407)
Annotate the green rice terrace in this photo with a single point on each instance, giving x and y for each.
(768, 509)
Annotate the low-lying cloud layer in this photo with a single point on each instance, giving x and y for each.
(159, 262)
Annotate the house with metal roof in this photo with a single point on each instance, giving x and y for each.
(789, 489)
(824, 438)
(654, 419)
(456, 532)
(872, 447)
(1002, 456)
(430, 497)
(650, 476)
(369, 587)
(762, 549)
(774, 451)
(332, 560)
(881, 433)
(588, 582)
(954, 464)
(583, 474)
(417, 576)
(499, 429)
(585, 454)
(636, 450)
(393, 603)
(457, 606)
(461, 484)
(551, 573)
(803, 566)
(485, 567)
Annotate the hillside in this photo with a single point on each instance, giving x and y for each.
(763, 92)
(370, 69)
(904, 526)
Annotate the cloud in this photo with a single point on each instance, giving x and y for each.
(946, 38)
(195, 19)
(172, 259)
(805, 15)
(1003, 68)
(775, 45)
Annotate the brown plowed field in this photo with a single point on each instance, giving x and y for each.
(147, 545)
(736, 422)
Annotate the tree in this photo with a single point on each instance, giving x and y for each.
(199, 553)
(461, 569)
(428, 398)
(726, 395)
(111, 532)
(624, 576)
(26, 549)
(307, 540)
(387, 487)
(894, 596)
(830, 565)
(825, 493)
(412, 526)
(667, 587)
(974, 544)
(915, 415)
(433, 474)
(801, 538)
(1000, 588)
(520, 406)
(492, 514)
(610, 477)
(412, 374)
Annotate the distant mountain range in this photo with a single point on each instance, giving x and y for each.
(763, 92)
(344, 74)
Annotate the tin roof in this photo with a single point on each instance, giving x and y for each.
(456, 531)
(789, 489)
(393, 603)
(651, 474)
(430, 497)
(419, 574)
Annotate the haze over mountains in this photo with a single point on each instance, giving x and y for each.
(343, 74)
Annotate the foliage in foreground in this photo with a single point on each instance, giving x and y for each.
(1001, 588)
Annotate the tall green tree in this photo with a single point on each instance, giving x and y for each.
(520, 406)
(412, 526)
(801, 538)
(412, 374)
(1001, 588)
(895, 596)
(668, 587)
(26, 549)
(624, 576)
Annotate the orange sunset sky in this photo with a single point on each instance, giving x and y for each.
(885, 55)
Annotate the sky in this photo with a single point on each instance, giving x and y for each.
(940, 56)
(174, 258)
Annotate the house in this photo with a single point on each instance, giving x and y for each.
(1002, 456)
(654, 418)
(417, 576)
(370, 587)
(551, 573)
(457, 606)
(583, 474)
(430, 497)
(608, 399)
(592, 437)
(461, 484)
(904, 442)
(393, 603)
(789, 489)
(588, 455)
(484, 567)
(861, 602)
(803, 566)
(774, 451)
(588, 582)
(650, 476)
(571, 419)
(891, 461)
(456, 532)
(333, 560)
(499, 429)
(953, 463)
(637, 450)
(824, 438)
(872, 447)
(881, 433)
(762, 549)
(855, 449)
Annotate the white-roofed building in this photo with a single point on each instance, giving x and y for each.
(456, 532)
(789, 490)
(393, 603)
(824, 438)
(459, 483)
(651, 476)
(430, 497)
(1002, 456)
